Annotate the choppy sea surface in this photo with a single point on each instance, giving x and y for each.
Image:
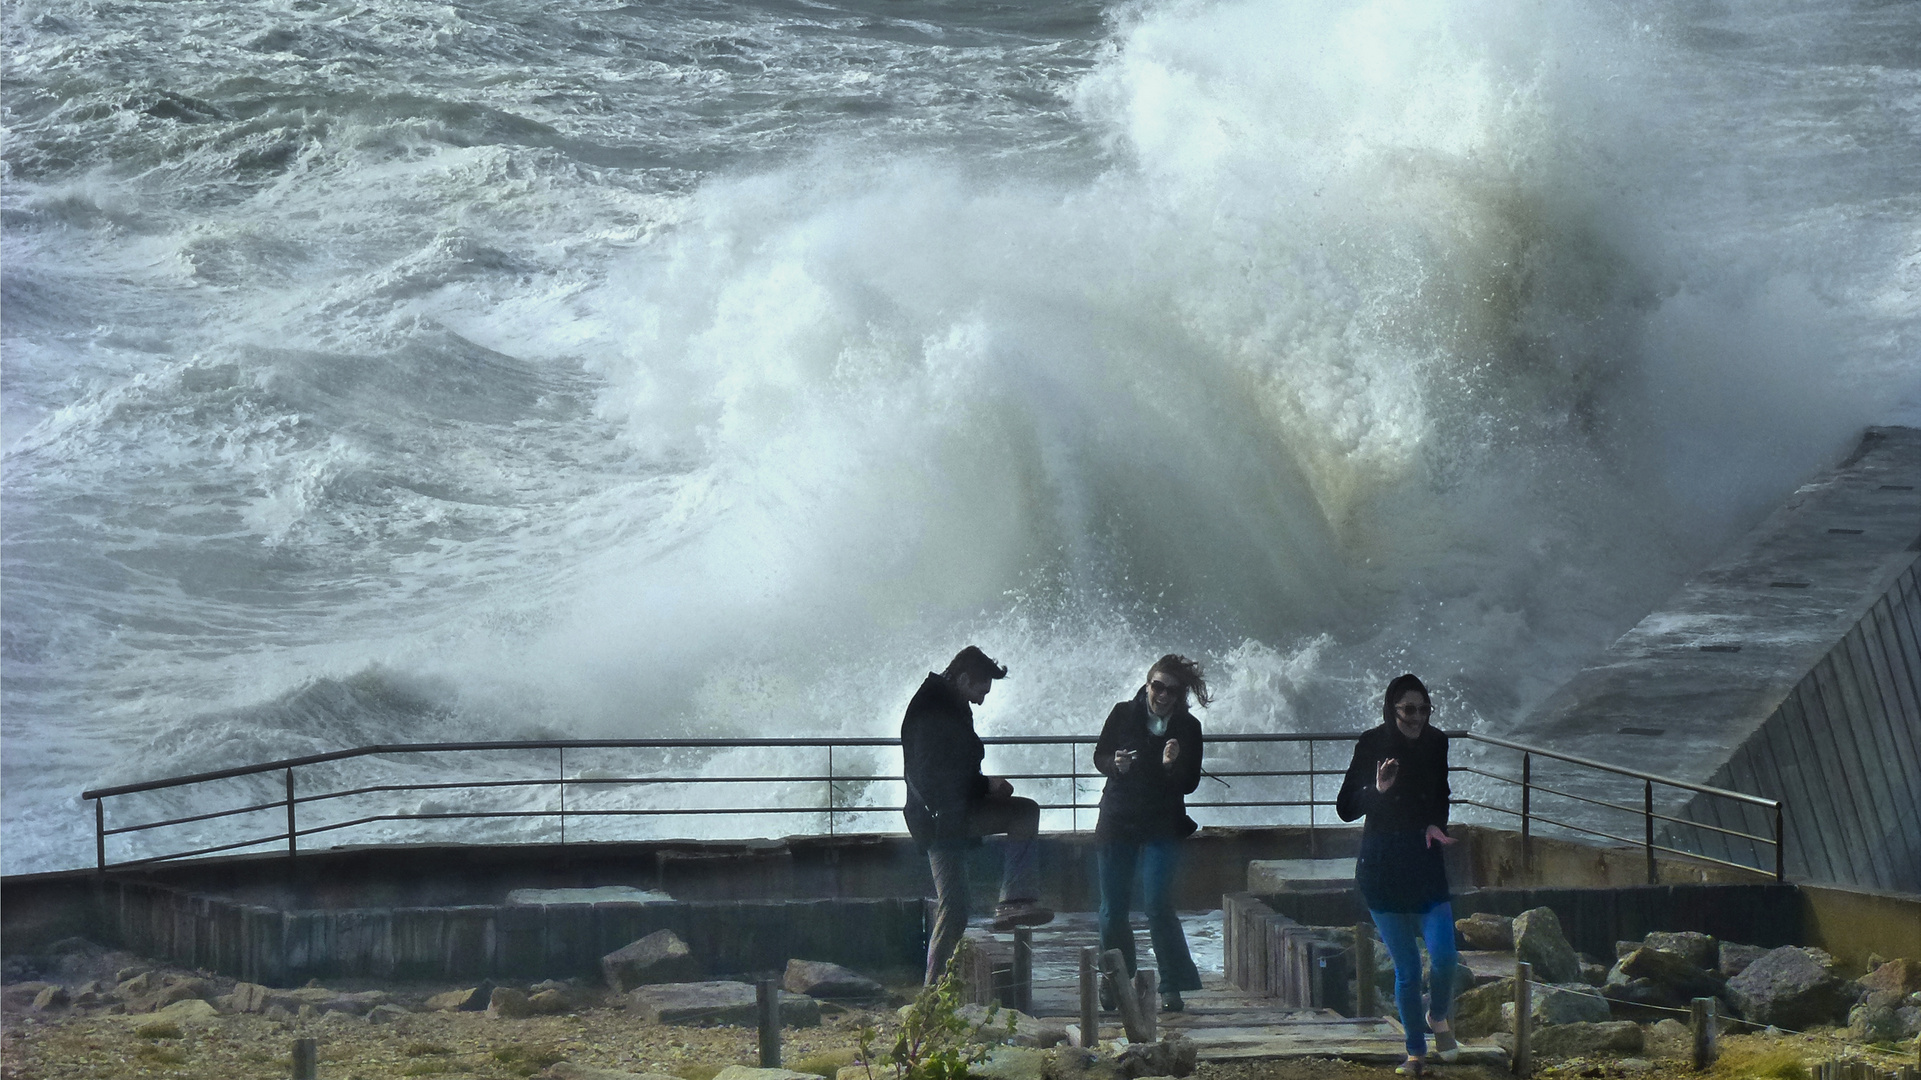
(381, 370)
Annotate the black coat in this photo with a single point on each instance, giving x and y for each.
(942, 758)
(1397, 869)
(1148, 801)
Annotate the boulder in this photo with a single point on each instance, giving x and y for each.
(1792, 987)
(1538, 940)
(716, 1002)
(51, 997)
(1477, 1012)
(747, 1072)
(1485, 931)
(1028, 1031)
(1895, 976)
(1009, 1063)
(1656, 977)
(660, 957)
(1593, 974)
(1174, 1055)
(1076, 1063)
(385, 1014)
(820, 979)
(247, 998)
(1880, 1019)
(189, 1010)
(550, 1002)
(507, 1003)
(1570, 1003)
(181, 990)
(1589, 1040)
(1701, 950)
(135, 986)
(1736, 957)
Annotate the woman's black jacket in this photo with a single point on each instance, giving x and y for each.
(1148, 801)
(1398, 870)
(942, 755)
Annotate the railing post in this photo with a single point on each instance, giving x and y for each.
(1073, 785)
(1780, 846)
(830, 799)
(1647, 816)
(1527, 822)
(100, 834)
(1313, 837)
(292, 834)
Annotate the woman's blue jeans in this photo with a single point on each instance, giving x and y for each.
(1398, 931)
(1157, 861)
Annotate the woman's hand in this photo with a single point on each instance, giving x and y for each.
(998, 785)
(1388, 771)
(1173, 751)
(1436, 836)
(1123, 760)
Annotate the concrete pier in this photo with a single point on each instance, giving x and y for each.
(1791, 669)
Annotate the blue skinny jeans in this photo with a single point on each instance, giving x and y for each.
(1158, 861)
(1398, 932)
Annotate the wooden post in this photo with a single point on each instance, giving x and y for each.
(1147, 985)
(1090, 998)
(1701, 1012)
(306, 1055)
(767, 998)
(1527, 821)
(1523, 1019)
(1024, 969)
(1363, 970)
(1115, 969)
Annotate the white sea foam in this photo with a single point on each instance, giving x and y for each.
(397, 372)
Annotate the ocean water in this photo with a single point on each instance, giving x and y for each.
(381, 370)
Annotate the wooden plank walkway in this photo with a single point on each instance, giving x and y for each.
(1225, 1022)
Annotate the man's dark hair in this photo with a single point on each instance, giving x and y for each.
(1398, 687)
(974, 663)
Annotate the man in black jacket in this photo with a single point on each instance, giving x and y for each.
(951, 804)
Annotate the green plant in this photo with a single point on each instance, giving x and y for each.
(424, 1049)
(827, 1063)
(158, 1029)
(427, 1068)
(161, 1055)
(933, 1040)
(527, 1060)
(1766, 1065)
(697, 1071)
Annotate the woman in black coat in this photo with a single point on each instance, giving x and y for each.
(1150, 752)
(1398, 779)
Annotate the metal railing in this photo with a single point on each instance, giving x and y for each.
(848, 793)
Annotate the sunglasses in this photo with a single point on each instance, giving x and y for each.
(1413, 710)
(1155, 686)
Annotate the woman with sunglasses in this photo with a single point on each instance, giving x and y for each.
(1150, 752)
(1398, 779)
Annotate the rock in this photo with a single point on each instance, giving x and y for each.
(189, 1010)
(507, 1003)
(1589, 1039)
(135, 986)
(51, 997)
(1575, 1003)
(1028, 1031)
(1736, 957)
(745, 1072)
(127, 974)
(385, 1014)
(1011, 1063)
(1485, 931)
(819, 979)
(567, 1070)
(1878, 1018)
(1896, 976)
(1477, 1012)
(356, 1004)
(1792, 987)
(1701, 950)
(181, 990)
(660, 957)
(1538, 940)
(1657, 977)
(1075, 1063)
(277, 1012)
(472, 999)
(247, 998)
(1174, 1055)
(716, 1002)
(550, 1003)
(1593, 974)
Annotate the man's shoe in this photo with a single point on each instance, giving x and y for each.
(1108, 1002)
(1171, 1001)
(1021, 913)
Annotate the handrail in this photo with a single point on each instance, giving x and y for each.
(1528, 787)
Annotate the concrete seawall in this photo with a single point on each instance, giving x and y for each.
(1789, 669)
